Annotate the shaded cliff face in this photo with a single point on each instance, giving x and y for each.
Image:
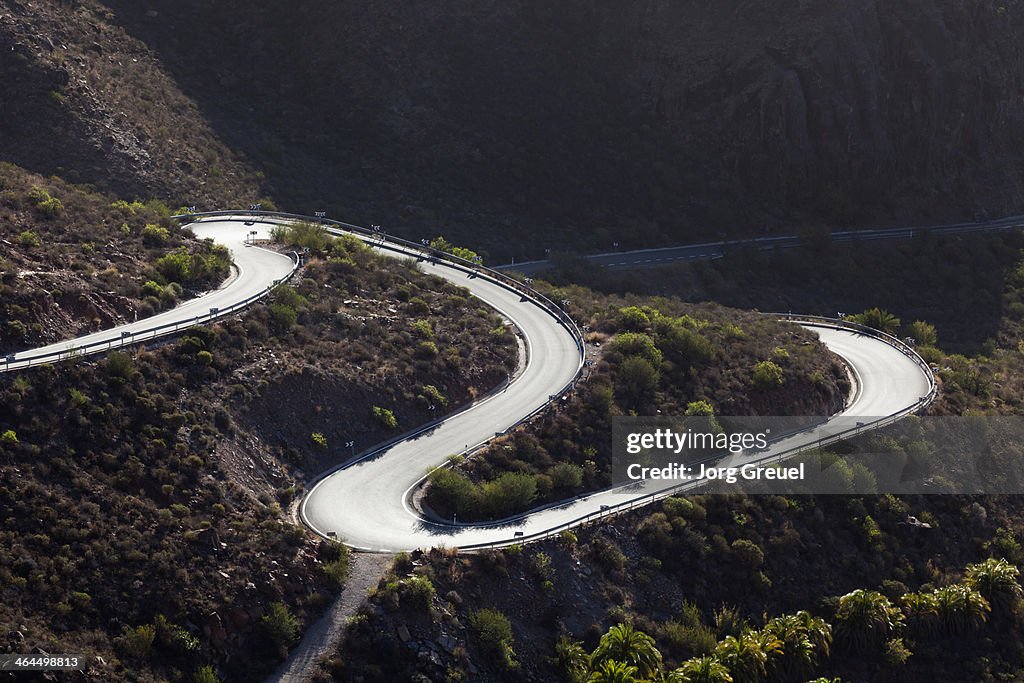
(555, 124)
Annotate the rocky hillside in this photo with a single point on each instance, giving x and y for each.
(692, 571)
(568, 122)
(95, 105)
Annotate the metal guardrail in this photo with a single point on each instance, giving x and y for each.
(127, 338)
(513, 284)
(399, 245)
(889, 339)
(837, 237)
(385, 240)
(647, 499)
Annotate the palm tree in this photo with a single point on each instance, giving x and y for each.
(819, 631)
(922, 612)
(866, 619)
(961, 608)
(703, 670)
(996, 580)
(572, 659)
(611, 671)
(623, 643)
(747, 656)
(800, 649)
(878, 319)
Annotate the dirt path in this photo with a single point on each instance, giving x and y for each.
(323, 637)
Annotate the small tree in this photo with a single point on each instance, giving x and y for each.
(572, 659)
(878, 319)
(385, 417)
(280, 625)
(623, 643)
(996, 580)
(865, 620)
(636, 381)
(495, 634)
(923, 333)
(703, 670)
(961, 608)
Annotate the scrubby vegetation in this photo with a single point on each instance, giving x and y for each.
(113, 491)
(745, 588)
(727, 587)
(351, 369)
(652, 356)
(75, 260)
(171, 466)
(953, 283)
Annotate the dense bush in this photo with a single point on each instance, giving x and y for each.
(661, 357)
(494, 631)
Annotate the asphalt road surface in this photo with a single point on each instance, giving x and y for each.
(646, 258)
(366, 504)
(255, 270)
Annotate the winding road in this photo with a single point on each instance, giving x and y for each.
(255, 270)
(642, 258)
(367, 503)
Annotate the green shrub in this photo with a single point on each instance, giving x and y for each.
(637, 344)
(136, 643)
(425, 350)
(119, 365)
(280, 625)
(452, 492)
(633, 319)
(9, 436)
(319, 440)
(154, 235)
(176, 266)
(305, 235)
(183, 267)
(767, 375)
(441, 244)
(175, 637)
(279, 234)
(495, 634)
(566, 476)
(205, 674)
(636, 381)
(423, 328)
(28, 238)
(607, 555)
(288, 296)
(419, 591)
(282, 317)
(747, 553)
(432, 396)
(510, 493)
(337, 571)
(47, 204)
(152, 288)
(385, 417)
